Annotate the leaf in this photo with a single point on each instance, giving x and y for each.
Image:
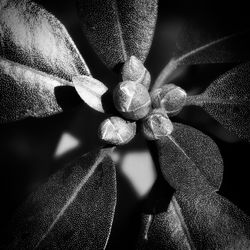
(33, 37)
(227, 99)
(37, 58)
(197, 222)
(190, 50)
(91, 91)
(73, 210)
(190, 160)
(27, 92)
(118, 29)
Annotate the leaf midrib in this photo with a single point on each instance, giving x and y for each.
(73, 196)
(120, 32)
(201, 100)
(62, 81)
(202, 172)
(176, 61)
(183, 223)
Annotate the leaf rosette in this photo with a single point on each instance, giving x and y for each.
(75, 207)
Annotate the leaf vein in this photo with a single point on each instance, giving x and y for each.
(123, 45)
(72, 198)
(183, 223)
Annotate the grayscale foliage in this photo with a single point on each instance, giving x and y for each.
(26, 92)
(73, 210)
(193, 49)
(33, 37)
(190, 161)
(118, 29)
(227, 99)
(37, 56)
(196, 222)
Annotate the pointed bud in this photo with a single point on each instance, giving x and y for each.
(170, 97)
(157, 125)
(134, 70)
(117, 131)
(132, 100)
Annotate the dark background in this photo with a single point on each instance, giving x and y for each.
(27, 147)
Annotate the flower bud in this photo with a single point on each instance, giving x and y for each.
(134, 70)
(132, 100)
(170, 97)
(117, 131)
(157, 125)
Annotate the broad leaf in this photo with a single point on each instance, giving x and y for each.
(33, 37)
(118, 29)
(190, 160)
(227, 99)
(91, 91)
(191, 49)
(27, 92)
(73, 210)
(197, 222)
(37, 56)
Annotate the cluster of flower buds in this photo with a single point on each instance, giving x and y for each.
(133, 101)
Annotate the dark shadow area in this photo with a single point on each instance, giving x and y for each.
(159, 197)
(127, 217)
(108, 105)
(67, 97)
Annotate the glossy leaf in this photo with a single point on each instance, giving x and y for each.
(73, 210)
(190, 160)
(91, 91)
(191, 49)
(227, 99)
(118, 29)
(33, 37)
(197, 222)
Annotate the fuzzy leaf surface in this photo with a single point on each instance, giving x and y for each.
(33, 37)
(118, 29)
(73, 210)
(227, 99)
(190, 160)
(194, 48)
(37, 56)
(26, 92)
(196, 222)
